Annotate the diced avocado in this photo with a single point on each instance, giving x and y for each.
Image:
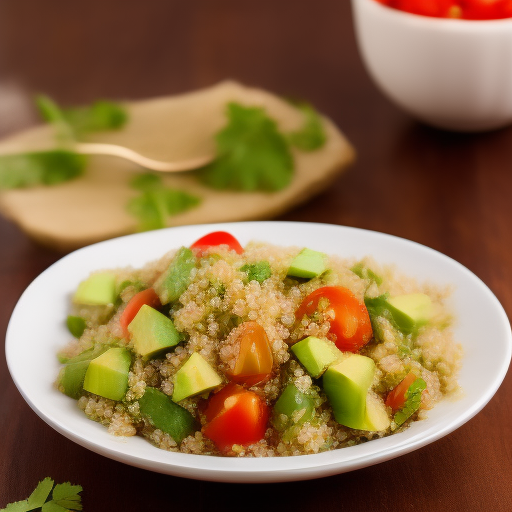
(316, 354)
(72, 377)
(259, 271)
(412, 310)
(376, 418)
(107, 375)
(175, 280)
(196, 376)
(152, 332)
(76, 325)
(407, 312)
(346, 385)
(308, 264)
(166, 415)
(97, 290)
(295, 405)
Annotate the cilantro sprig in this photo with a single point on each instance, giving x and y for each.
(59, 165)
(311, 135)
(100, 116)
(64, 497)
(253, 154)
(156, 203)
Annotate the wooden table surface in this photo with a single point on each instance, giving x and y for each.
(449, 191)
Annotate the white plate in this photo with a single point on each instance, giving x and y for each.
(37, 331)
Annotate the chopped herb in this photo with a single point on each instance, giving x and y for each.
(65, 497)
(412, 401)
(76, 325)
(156, 202)
(364, 272)
(102, 115)
(312, 134)
(252, 153)
(39, 168)
(259, 271)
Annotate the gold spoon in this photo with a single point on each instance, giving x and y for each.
(93, 148)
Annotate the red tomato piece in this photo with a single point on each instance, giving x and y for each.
(235, 415)
(396, 398)
(214, 239)
(351, 324)
(254, 362)
(486, 9)
(148, 297)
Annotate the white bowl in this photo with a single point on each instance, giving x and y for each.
(37, 331)
(450, 73)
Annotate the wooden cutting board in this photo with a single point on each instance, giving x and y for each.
(93, 207)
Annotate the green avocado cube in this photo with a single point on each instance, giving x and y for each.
(196, 376)
(308, 264)
(152, 332)
(316, 354)
(295, 405)
(175, 280)
(107, 375)
(166, 415)
(346, 385)
(411, 311)
(407, 312)
(97, 290)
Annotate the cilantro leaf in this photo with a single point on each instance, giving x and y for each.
(412, 401)
(40, 493)
(66, 491)
(252, 153)
(157, 202)
(18, 506)
(311, 135)
(100, 116)
(51, 506)
(65, 498)
(259, 271)
(364, 272)
(39, 168)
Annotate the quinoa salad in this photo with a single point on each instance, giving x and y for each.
(257, 351)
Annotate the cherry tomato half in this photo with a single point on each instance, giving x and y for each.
(254, 362)
(148, 297)
(351, 324)
(396, 398)
(214, 239)
(235, 415)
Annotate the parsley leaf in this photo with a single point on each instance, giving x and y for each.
(311, 135)
(251, 153)
(157, 202)
(412, 401)
(65, 498)
(100, 116)
(259, 271)
(39, 168)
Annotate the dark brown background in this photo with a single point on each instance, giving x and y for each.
(448, 191)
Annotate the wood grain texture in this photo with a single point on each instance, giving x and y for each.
(448, 191)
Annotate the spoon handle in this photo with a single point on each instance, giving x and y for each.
(92, 148)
